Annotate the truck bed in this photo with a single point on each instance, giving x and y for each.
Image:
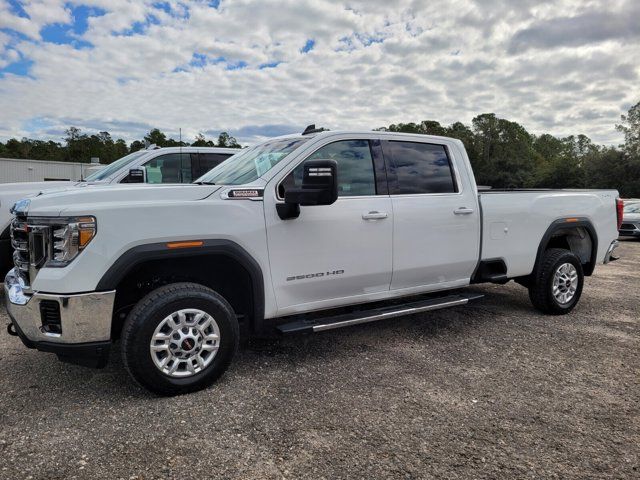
(514, 222)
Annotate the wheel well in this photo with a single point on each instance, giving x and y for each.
(580, 240)
(226, 275)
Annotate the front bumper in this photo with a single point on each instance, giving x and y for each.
(85, 322)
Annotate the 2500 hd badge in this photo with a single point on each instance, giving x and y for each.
(314, 275)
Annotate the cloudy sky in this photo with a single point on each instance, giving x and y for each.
(268, 67)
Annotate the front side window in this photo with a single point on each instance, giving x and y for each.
(169, 168)
(114, 167)
(250, 164)
(355, 168)
(420, 168)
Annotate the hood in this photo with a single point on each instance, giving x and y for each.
(28, 189)
(81, 201)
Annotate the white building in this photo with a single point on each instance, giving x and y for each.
(19, 170)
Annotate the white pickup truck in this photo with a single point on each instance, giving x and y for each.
(300, 233)
(153, 165)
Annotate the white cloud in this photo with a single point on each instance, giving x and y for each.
(372, 64)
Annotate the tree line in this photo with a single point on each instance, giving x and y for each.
(503, 154)
(80, 147)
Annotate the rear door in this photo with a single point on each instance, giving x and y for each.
(436, 229)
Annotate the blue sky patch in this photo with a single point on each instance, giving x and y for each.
(20, 67)
(269, 65)
(16, 8)
(237, 65)
(166, 6)
(139, 28)
(308, 46)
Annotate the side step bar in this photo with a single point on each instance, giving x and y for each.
(375, 314)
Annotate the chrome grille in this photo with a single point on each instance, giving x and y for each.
(20, 244)
(31, 248)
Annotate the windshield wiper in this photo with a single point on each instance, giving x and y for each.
(204, 183)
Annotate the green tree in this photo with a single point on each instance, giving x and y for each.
(76, 145)
(225, 140)
(557, 163)
(136, 145)
(505, 152)
(201, 141)
(120, 148)
(630, 126)
(156, 137)
(465, 134)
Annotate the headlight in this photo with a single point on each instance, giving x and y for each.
(70, 239)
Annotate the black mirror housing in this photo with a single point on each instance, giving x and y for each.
(319, 184)
(136, 175)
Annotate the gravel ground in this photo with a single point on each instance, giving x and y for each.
(493, 390)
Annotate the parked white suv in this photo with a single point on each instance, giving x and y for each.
(284, 236)
(154, 165)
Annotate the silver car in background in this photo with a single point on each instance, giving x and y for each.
(631, 219)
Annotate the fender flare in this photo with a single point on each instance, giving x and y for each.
(571, 222)
(158, 251)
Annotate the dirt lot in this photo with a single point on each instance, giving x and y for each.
(493, 390)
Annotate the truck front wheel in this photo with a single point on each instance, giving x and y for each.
(179, 338)
(557, 283)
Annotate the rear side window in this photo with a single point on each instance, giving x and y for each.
(209, 160)
(420, 168)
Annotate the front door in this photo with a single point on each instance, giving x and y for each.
(332, 252)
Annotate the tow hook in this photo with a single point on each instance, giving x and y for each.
(11, 330)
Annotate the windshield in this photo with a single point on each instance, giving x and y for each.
(633, 208)
(115, 166)
(251, 164)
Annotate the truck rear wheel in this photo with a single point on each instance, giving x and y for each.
(180, 338)
(557, 283)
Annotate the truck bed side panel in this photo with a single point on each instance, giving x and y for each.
(514, 223)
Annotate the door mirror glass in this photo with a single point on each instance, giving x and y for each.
(136, 175)
(319, 187)
(319, 184)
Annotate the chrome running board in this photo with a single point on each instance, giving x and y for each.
(374, 314)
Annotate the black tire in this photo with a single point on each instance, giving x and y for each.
(541, 288)
(150, 311)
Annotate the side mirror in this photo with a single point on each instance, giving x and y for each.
(319, 187)
(136, 175)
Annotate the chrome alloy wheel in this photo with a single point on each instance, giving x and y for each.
(185, 343)
(565, 283)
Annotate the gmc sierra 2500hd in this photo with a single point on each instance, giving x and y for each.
(152, 165)
(299, 233)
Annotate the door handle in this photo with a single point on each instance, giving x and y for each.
(374, 215)
(463, 211)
